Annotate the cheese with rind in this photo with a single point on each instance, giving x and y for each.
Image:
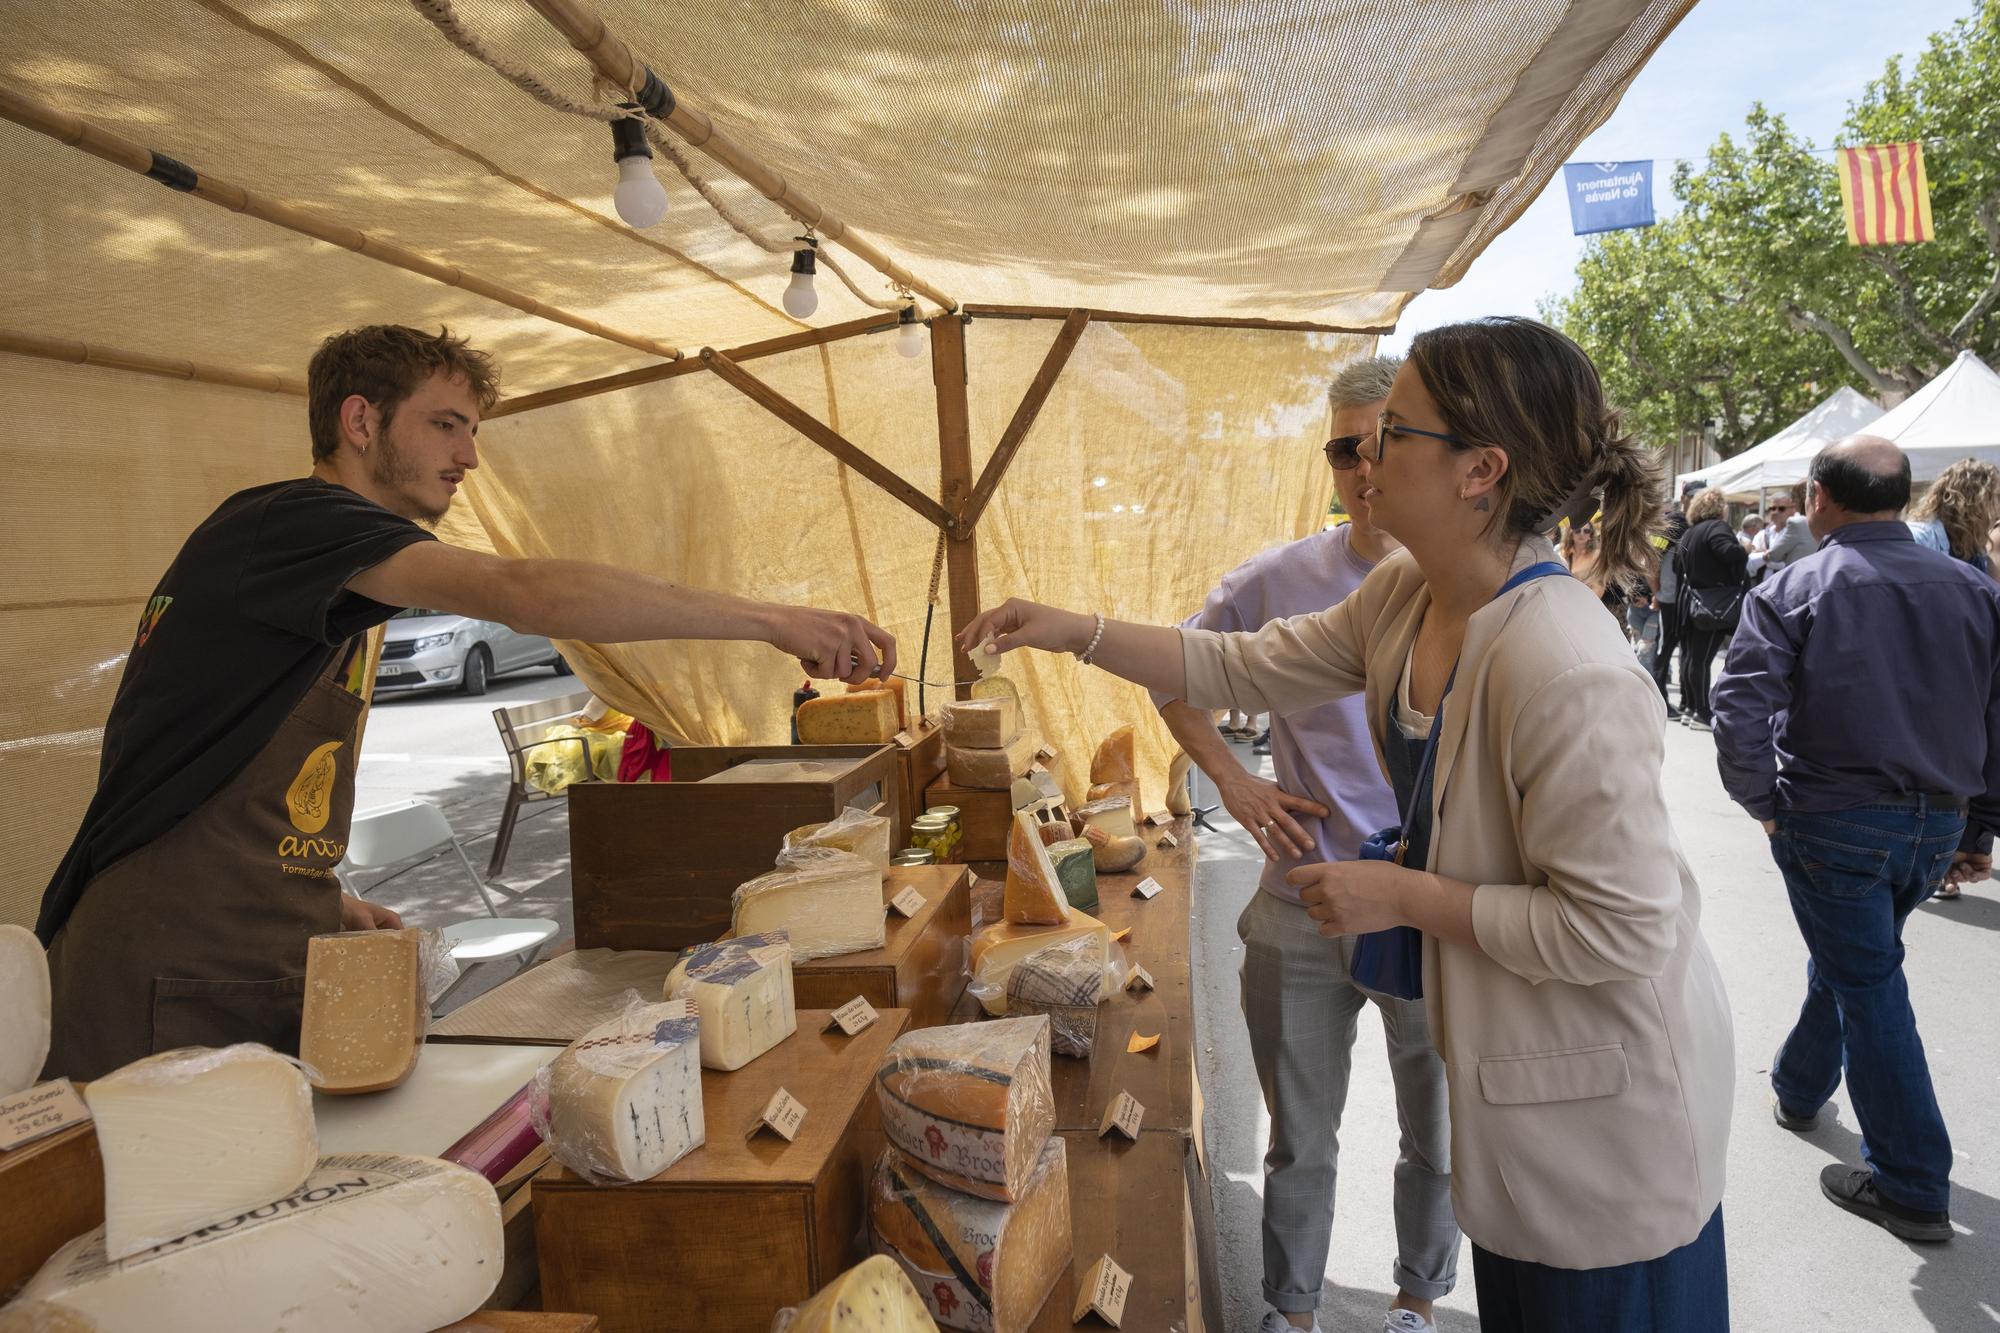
(977, 1264)
(982, 724)
(1116, 759)
(743, 990)
(970, 1103)
(196, 1136)
(1113, 816)
(896, 686)
(24, 1008)
(865, 717)
(624, 1101)
(1076, 870)
(1033, 893)
(829, 902)
(874, 1296)
(369, 1243)
(998, 948)
(856, 831)
(366, 1009)
(994, 770)
(1065, 982)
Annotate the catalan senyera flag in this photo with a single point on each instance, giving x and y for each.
(1885, 194)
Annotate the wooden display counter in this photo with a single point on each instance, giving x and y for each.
(51, 1191)
(921, 964)
(523, 1321)
(743, 1225)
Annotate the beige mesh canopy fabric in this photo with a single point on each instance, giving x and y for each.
(1316, 161)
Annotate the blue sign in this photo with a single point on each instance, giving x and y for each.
(1609, 196)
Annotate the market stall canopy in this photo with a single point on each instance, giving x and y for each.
(1843, 413)
(1956, 415)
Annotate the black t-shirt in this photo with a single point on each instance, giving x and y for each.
(248, 616)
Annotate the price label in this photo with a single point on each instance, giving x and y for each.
(1123, 1115)
(1140, 979)
(853, 1016)
(1103, 1292)
(39, 1112)
(909, 902)
(1148, 888)
(1156, 821)
(1169, 840)
(783, 1115)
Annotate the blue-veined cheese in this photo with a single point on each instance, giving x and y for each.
(743, 988)
(624, 1101)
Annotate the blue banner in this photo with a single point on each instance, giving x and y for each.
(1609, 196)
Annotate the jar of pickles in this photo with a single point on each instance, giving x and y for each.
(955, 830)
(932, 833)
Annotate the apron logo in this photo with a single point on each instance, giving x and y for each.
(151, 618)
(309, 799)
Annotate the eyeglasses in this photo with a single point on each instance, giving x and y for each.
(1384, 429)
(1343, 452)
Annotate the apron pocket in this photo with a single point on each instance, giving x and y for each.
(190, 1012)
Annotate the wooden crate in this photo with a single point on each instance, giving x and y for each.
(920, 967)
(920, 757)
(653, 864)
(985, 814)
(51, 1192)
(741, 1226)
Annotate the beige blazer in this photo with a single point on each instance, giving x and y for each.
(1587, 1041)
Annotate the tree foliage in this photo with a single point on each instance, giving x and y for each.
(1747, 305)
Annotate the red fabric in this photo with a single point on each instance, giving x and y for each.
(644, 759)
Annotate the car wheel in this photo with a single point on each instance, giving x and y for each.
(478, 666)
(561, 664)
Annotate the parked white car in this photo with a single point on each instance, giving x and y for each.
(436, 650)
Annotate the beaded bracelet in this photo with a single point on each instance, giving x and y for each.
(1095, 639)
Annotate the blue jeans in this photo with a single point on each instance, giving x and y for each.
(1682, 1291)
(1854, 876)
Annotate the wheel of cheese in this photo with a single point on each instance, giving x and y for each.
(24, 1000)
(970, 1103)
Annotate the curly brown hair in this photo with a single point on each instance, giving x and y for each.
(1966, 499)
(1711, 503)
(386, 363)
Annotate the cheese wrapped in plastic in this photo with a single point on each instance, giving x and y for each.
(982, 724)
(991, 770)
(24, 1008)
(1066, 982)
(196, 1136)
(977, 1263)
(742, 987)
(854, 831)
(829, 902)
(369, 1242)
(970, 1103)
(1033, 894)
(997, 949)
(624, 1101)
(368, 1005)
(874, 1296)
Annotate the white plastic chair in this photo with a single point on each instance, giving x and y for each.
(392, 833)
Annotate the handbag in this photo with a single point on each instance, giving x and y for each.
(1391, 962)
(1713, 609)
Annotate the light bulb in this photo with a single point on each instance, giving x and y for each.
(800, 298)
(640, 198)
(910, 339)
(1100, 481)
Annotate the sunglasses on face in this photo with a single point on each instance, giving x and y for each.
(1343, 452)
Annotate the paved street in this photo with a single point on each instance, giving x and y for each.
(1796, 1263)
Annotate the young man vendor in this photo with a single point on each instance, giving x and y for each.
(180, 914)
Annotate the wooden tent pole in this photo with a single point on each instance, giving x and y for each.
(586, 30)
(120, 151)
(113, 358)
(823, 435)
(1191, 321)
(1024, 415)
(948, 372)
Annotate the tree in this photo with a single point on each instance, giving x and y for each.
(1748, 305)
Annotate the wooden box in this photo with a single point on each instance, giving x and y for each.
(51, 1192)
(741, 1226)
(920, 967)
(653, 864)
(985, 814)
(920, 758)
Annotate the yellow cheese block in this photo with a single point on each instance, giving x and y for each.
(365, 1009)
(997, 949)
(1116, 759)
(1033, 895)
(991, 769)
(865, 717)
(874, 1296)
(982, 724)
(895, 686)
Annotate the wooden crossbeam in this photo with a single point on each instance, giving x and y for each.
(1024, 415)
(142, 363)
(1191, 321)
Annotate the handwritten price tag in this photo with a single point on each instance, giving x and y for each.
(1140, 979)
(782, 1116)
(1123, 1115)
(909, 902)
(1169, 840)
(39, 1112)
(1148, 888)
(1103, 1292)
(853, 1016)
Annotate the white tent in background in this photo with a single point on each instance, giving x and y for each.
(1956, 415)
(1844, 413)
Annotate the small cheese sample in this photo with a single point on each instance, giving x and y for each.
(865, 717)
(196, 1136)
(24, 1001)
(856, 831)
(970, 1103)
(624, 1101)
(1066, 982)
(982, 724)
(986, 658)
(998, 948)
(1116, 759)
(1033, 895)
(874, 1296)
(370, 1241)
(1076, 870)
(828, 901)
(991, 769)
(743, 989)
(366, 1010)
(896, 686)
(976, 1263)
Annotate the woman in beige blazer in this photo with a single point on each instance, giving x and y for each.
(1581, 1018)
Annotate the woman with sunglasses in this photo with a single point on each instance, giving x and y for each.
(1582, 1021)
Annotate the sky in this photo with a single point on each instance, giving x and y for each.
(1805, 58)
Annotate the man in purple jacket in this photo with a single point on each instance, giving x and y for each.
(1858, 717)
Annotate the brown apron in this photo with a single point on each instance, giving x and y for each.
(199, 937)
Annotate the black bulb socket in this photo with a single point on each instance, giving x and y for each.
(628, 139)
(802, 261)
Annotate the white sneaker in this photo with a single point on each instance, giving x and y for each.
(1275, 1322)
(1406, 1321)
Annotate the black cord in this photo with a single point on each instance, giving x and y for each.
(924, 661)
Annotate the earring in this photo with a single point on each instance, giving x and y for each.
(1485, 504)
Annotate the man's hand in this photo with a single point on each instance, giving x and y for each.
(1969, 868)
(832, 645)
(356, 914)
(1353, 897)
(1264, 809)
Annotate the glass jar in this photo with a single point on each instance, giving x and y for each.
(955, 829)
(932, 833)
(913, 856)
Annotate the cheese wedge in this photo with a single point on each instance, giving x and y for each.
(982, 724)
(624, 1101)
(1033, 894)
(994, 770)
(24, 1009)
(999, 687)
(366, 1010)
(743, 990)
(874, 1296)
(856, 831)
(970, 1103)
(1117, 758)
(977, 1264)
(1112, 816)
(1065, 982)
(196, 1136)
(1076, 869)
(367, 1242)
(829, 902)
(998, 948)
(865, 717)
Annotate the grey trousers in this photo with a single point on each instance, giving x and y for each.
(1302, 1006)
